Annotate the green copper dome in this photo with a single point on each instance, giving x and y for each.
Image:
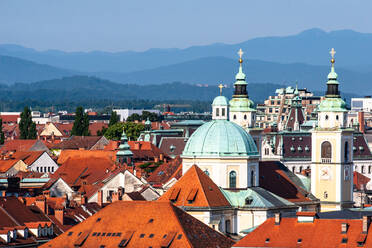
(220, 138)
(241, 105)
(332, 105)
(220, 101)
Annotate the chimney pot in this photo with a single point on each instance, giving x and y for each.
(277, 218)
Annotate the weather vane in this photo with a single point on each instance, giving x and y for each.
(240, 53)
(221, 87)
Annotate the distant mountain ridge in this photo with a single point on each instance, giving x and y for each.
(211, 70)
(354, 50)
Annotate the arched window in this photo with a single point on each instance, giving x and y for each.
(232, 179)
(300, 169)
(369, 169)
(336, 117)
(346, 151)
(326, 152)
(294, 169)
(227, 226)
(326, 117)
(253, 179)
(245, 117)
(223, 112)
(217, 112)
(234, 117)
(362, 170)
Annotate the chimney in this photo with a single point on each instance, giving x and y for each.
(366, 222)
(361, 121)
(115, 197)
(83, 200)
(277, 218)
(41, 203)
(100, 197)
(161, 157)
(137, 146)
(59, 214)
(344, 227)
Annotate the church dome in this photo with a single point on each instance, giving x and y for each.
(220, 138)
(220, 101)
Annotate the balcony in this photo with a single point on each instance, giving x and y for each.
(326, 160)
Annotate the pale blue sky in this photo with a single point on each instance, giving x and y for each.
(120, 25)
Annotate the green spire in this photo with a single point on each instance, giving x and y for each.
(124, 148)
(332, 84)
(297, 100)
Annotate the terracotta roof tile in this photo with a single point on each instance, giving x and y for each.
(138, 226)
(320, 233)
(166, 171)
(195, 181)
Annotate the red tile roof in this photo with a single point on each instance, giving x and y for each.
(195, 189)
(143, 150)
(96, 126)
(320, 233)
(66, 154)
(138, 226)
(18, 145)
(10, 118)
(166, 171)
(78, 142)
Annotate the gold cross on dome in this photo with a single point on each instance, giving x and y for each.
(333, 52)
(240, 53)
(221, 87)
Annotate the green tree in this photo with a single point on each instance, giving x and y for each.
(114, 118)
(81, 123)
(134, 117)
(27, 127)
(131, 129)
(151, 116)
(2, 136)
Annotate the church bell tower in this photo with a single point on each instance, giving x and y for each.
(332, 150)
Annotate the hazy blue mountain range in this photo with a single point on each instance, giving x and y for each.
(354, 50)
(211, 70)
(69, 92)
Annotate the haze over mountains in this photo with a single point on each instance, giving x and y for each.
(279, 60)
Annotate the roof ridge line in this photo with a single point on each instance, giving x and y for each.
(180, 224)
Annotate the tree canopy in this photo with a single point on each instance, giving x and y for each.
(27, 127)
(81, 123)
(131, 129)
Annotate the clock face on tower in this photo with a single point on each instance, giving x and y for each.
(325, 173)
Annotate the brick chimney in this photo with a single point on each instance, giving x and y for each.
(100, 197)
(115, 197)
(366, 222)
(83, 200)
(137, 145)
(278, 218)
(41, 203)
(59, 214)
(361, 121)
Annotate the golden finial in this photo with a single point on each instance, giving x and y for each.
(221, 87)
(333, 52)
(240, 53)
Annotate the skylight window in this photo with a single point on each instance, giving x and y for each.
(142, 235)
(179, 236)
(151, 235)
(299, 241)
(267, 240)
(69, 234)
(344, 240)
